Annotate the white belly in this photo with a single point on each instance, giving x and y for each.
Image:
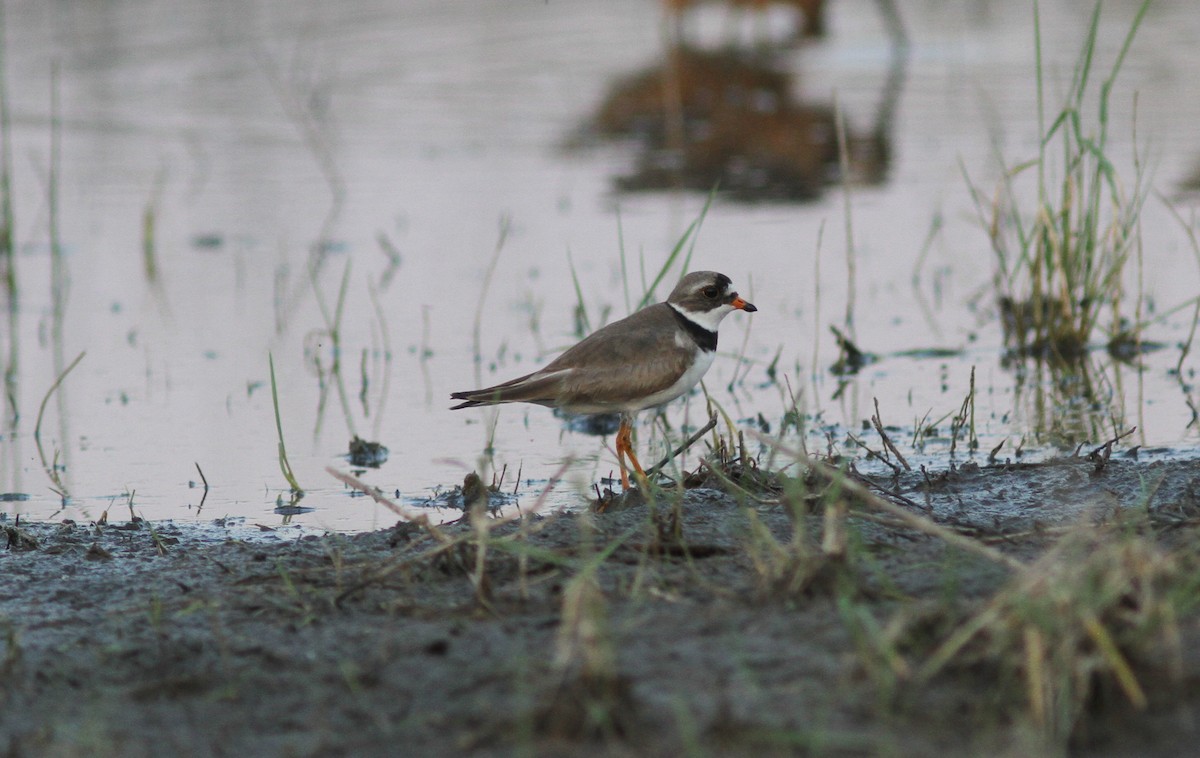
(690, 378)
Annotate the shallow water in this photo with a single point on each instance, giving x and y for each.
(253, 130)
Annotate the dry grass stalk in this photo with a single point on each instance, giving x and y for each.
(1083, 614)
(912, 520)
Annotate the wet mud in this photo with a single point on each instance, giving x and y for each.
(706, 623)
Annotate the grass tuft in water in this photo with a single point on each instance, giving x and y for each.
(1060, 264)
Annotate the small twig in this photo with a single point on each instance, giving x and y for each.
(420, 519)
(966, 415)
(205, 481)
(481, 527)
(991, 459)
(712, 422)
(202, 477)
(872, 453)
(912, 520)
(887, 442)
(159, 545)
(1101, 455)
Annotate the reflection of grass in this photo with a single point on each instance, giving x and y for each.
(1067, 403)
(1060, 265)
(333, 329)
(149, 230)
(8, 263)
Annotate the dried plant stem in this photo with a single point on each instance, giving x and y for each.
(712, 422)
(887, 441)
(910, 519)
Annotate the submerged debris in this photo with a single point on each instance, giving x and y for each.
(18, 539)
(474, 496)
(368, 454)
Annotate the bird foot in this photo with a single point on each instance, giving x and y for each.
(610, 502)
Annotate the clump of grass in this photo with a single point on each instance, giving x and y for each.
(1076, 622)
(965, 420)
(1060, 265)
(815, 557)
(833, 490)
(592, 699)
(468, 553)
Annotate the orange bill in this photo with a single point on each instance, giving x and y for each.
(742, 305)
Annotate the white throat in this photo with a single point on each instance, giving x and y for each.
(708, 320)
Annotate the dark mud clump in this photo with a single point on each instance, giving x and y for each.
(707, 622)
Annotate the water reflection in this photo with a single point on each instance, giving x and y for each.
(1066, 403)
(58, 465)
(729, 118)
(808, 21)
(299, 130)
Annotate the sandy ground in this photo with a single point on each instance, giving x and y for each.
(710, 624)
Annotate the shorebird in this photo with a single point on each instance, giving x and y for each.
(644, 360)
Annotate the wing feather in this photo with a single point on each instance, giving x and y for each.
(625, 359)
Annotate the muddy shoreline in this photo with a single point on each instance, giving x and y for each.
(712, 623)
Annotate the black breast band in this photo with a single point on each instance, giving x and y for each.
(705, 339)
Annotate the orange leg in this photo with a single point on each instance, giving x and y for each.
(622, 447)
(625, 449)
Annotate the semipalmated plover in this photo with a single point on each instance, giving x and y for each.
(646, 359)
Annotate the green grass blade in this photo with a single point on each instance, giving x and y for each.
(690, 233)
(284, 465)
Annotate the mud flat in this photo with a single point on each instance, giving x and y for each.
(1060, 618)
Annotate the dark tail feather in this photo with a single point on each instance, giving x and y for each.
(464, 396)
(476, 398)
(530, 388)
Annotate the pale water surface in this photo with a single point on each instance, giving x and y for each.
(252, 130)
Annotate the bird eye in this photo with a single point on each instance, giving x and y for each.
(710, 292)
